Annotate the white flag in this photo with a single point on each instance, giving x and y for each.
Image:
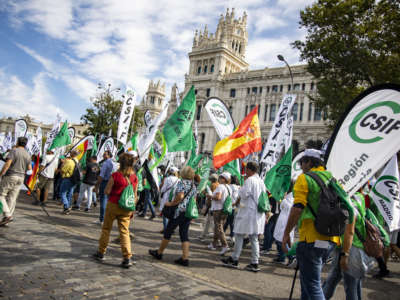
(39, 138)
(52, 134)
(125, 117)
(220, 117)
(20, 128)
(386, 194)
(274, 145)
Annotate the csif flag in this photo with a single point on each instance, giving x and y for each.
(245, 140)
(366, 136)
(178, 128)
(62, 138)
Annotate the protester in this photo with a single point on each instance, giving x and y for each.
(217, 202)
(67, 184)
(46, 172)
(18, 162)
(285, 206)
(115, 186)
(105, 174)
(235, 186)
(213, 180)
(148, 201)
(166, 189)
(313, 248)
(91, 174)
(185, 189)
(269, 226)
(58, 179)
(248, 221)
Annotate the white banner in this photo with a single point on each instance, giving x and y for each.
(366, 137)
(8, 141)
(386, 194)
(20, 128)
(146, 140)
(274, 146)
(39, 139)
(71, 133)
(148, 119)
(108, 145)
(2, 139)
(125, 117)
(32, 146)
(52, 134)
(220, 117)
(296, 168)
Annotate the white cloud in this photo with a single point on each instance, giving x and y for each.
(18, 99)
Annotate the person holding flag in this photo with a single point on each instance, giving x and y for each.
(68, 182)
(46, 172)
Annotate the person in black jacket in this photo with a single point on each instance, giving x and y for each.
(91, 173)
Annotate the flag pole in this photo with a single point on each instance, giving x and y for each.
(34, 196)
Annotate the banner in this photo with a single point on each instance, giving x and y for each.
(52, 133)
(273, 148)
(146, 140)
(71, 133)
(2, 139)
(7, 143)
(39, 139)
(386, 194)
(296, 168)
(148, 119)
(125, 117)
(20, 129)
(108, 145)
(366, 136)
(220, 117)
(32, 146)
(83, 145)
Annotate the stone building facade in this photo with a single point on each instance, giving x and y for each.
(218, 69)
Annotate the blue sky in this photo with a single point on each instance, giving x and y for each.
(53, 53)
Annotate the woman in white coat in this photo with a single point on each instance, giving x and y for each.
(248, 221)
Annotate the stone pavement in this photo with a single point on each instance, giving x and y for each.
(49, 258)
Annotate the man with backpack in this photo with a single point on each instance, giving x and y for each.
(312, 210)
(69, 174)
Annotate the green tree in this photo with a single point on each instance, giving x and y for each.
(350, 45)
(104, 115)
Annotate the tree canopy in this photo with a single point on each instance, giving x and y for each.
(350, 45)
(104, 115)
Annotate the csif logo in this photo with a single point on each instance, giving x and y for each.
(378, 123)
(387, 186)
(219, 113)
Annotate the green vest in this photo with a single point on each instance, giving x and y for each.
(140, 182)
(359, 203)
(314, 193)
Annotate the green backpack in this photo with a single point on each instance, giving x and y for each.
(191, 209)
(227, 208)
(127, 199)
(263, 203)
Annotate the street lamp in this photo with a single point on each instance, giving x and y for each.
(107, 89)
(281, 58)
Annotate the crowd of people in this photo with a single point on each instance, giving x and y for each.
(122, 189)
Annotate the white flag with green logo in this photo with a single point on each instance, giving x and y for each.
(296, 168)
(386, 194)
(366, 137)
(220, 117)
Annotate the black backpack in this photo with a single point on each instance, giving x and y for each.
(332, 215)
(76, 174)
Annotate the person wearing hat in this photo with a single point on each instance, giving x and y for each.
(46, 172)
(313, 248)
(167, 188)
(217, 203)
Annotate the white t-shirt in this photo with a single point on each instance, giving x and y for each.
(51, 168)
(219, 204)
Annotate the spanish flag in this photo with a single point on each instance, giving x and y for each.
(244, 140)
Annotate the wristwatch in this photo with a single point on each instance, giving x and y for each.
(343, 254)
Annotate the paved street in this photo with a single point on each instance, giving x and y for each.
(49, 258)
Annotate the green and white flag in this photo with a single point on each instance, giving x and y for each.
(178, 129)
(386, 194)
(277, 179)
(204, 172)
(62, 138)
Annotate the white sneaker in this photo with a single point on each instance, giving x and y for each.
(224, 250)
(98, 222)
(211, 247)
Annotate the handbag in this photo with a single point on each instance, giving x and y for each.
(191, 210)
(127, 199)
(227, 208)
(263, 203)
(169, 211)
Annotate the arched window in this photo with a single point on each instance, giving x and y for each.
(198, 70)
(202, 139)
(212, 69)
(233, 44)
(205, 69)
(294, 111)
(240, 48)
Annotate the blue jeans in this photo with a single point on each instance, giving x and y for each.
(165, 222)
(66, 192)
(311, 260)
(103, 199)
(269, 234)
(281, 254)
(147, 202)
(352, 285)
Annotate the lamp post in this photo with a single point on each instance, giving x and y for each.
(281, 58)
(107, 88)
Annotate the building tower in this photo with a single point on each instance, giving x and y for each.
(154, 99)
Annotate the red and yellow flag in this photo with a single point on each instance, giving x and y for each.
(81, 148)
(244, 140)
(34, 176)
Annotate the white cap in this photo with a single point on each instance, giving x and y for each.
(313, 153)
(133, 153)
(226, 175)
(174, 169)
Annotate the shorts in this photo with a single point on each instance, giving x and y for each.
(44, 183)
(393, 236)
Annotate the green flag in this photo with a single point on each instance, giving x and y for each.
(94, 147)
(194, 159)
(83, 160)
(277, 180)
(178, 129)
(204, 172)
(232, 168)
(134, 141)
(62, 138)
